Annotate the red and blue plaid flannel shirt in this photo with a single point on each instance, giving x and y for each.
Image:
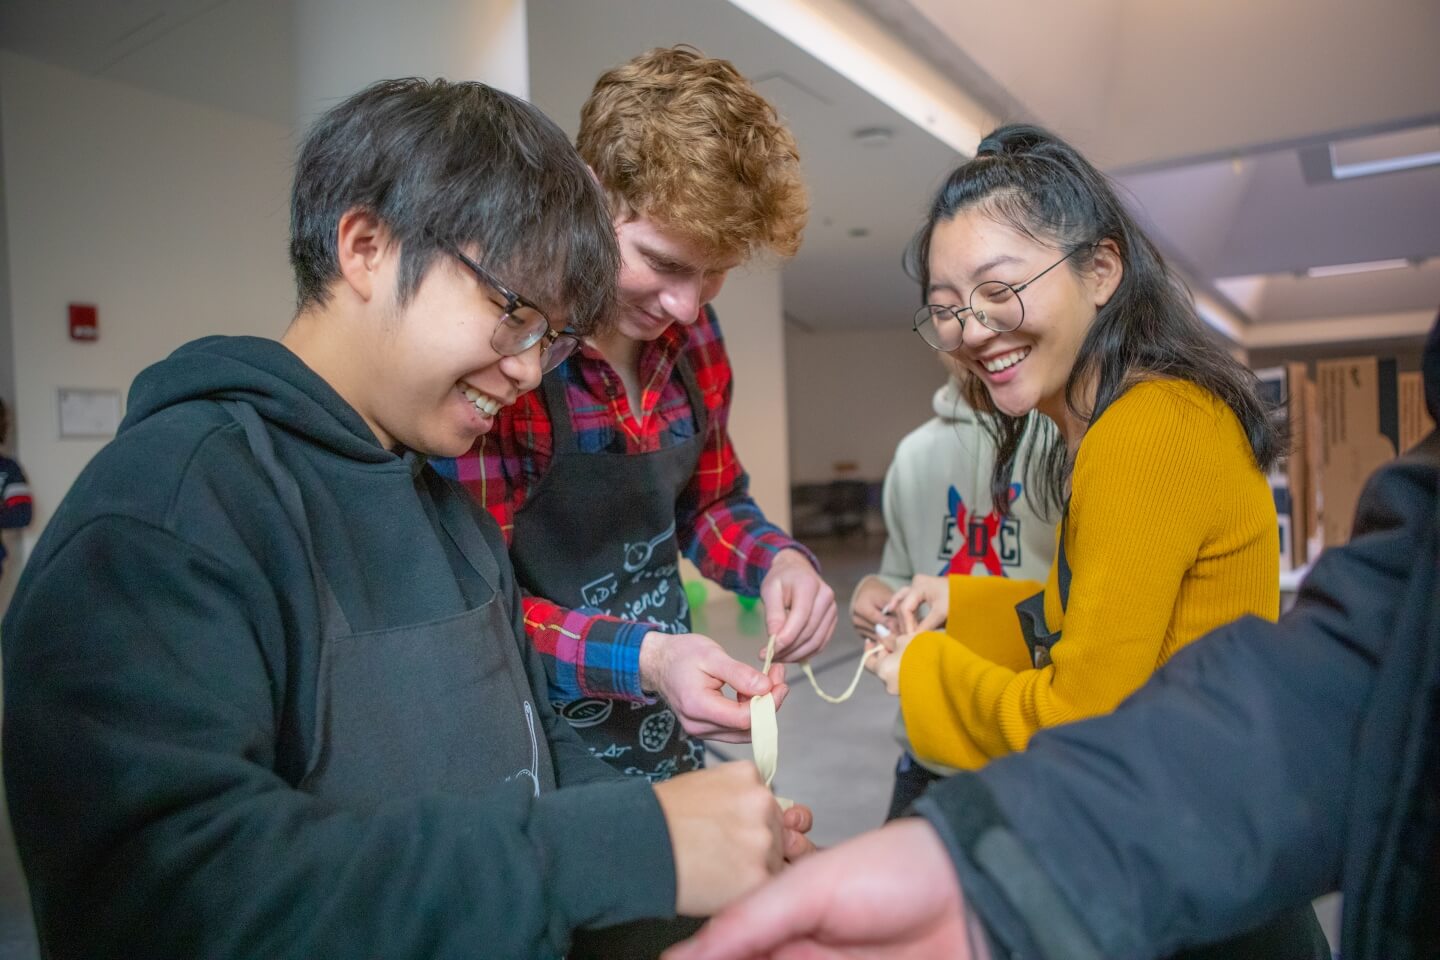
(720, 528)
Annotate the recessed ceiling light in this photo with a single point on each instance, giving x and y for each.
(1343, 269)
(1385, 153)
(1411, 148)
(873, 136)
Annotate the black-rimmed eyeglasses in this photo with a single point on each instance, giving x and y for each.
(995, 303)
(523, 324)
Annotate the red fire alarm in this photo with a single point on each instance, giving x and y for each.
(84, 322)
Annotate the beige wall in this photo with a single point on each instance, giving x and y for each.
(171, 217)
(853, 395)
(753, 325)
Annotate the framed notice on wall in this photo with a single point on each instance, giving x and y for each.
(89, 414)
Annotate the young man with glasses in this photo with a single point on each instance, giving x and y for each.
(622, 462)
(296, 714)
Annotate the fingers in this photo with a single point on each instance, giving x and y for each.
(741, 676)
(779, 689)
(889, 671)
(799, 818)
(780, 693)
(934, 620)
(797, 845)
(773, 590)
(799, 603)
(781, 911)
(906, 603)
(701, 704)
(819, 628)
(725, 833)
(872, 662)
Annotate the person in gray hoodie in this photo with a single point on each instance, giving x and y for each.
(267, 690)
(941, 518)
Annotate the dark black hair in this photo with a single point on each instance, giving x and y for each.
(1036, 183)
(457, 163)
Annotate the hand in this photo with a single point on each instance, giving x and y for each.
(797, 822)
(690, 671)
(725, 829)
(800, 608)
(924, 591)
(867, 608)
(890, 894)
(886, 663)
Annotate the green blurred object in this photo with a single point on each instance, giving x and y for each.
(746, 603)
(696, 592)
(750, 623)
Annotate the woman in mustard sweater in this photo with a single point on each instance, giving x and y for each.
(1037, 279)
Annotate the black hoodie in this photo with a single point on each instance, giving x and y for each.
(161, 660)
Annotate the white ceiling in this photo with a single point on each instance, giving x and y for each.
(234, 54)
(1200, 107)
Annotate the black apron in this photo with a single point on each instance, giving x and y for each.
(439, 707)
(1293, 934)
(599, 533)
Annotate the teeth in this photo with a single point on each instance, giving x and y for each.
(1006, 361)
(485, 403)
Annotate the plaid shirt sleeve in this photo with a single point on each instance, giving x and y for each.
(586, 653)
(721, 528)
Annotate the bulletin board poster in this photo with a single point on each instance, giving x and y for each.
(88, 414)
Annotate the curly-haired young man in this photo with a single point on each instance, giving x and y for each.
(622, 460)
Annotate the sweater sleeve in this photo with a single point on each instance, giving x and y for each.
(1142, 505)
(139, 748)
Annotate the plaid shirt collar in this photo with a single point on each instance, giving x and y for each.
(657, 361)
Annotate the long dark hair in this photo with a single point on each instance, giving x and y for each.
(1033, 181)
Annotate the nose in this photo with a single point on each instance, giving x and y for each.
(975, 334)
(683, 299)
(523, 369)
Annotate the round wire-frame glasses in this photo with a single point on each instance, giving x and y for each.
(995, 303)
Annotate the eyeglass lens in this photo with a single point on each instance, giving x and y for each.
(556, 352)
(995, 304)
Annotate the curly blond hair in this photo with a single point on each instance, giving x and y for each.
(686, 140)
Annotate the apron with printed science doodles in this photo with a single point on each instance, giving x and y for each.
(599, 534)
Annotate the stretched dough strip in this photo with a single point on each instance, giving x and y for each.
(765, 731)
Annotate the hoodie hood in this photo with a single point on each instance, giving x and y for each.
(950, 404)
(266, 375)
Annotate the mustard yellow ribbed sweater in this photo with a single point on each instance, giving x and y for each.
(1171, 533)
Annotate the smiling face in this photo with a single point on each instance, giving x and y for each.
(664, 278)
(439, 383)
(1027, 368)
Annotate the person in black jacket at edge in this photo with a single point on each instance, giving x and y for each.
(267, 690)
(1265, 765)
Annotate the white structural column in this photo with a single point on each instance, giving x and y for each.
(343, 45)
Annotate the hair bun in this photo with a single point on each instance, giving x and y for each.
(990, 146)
